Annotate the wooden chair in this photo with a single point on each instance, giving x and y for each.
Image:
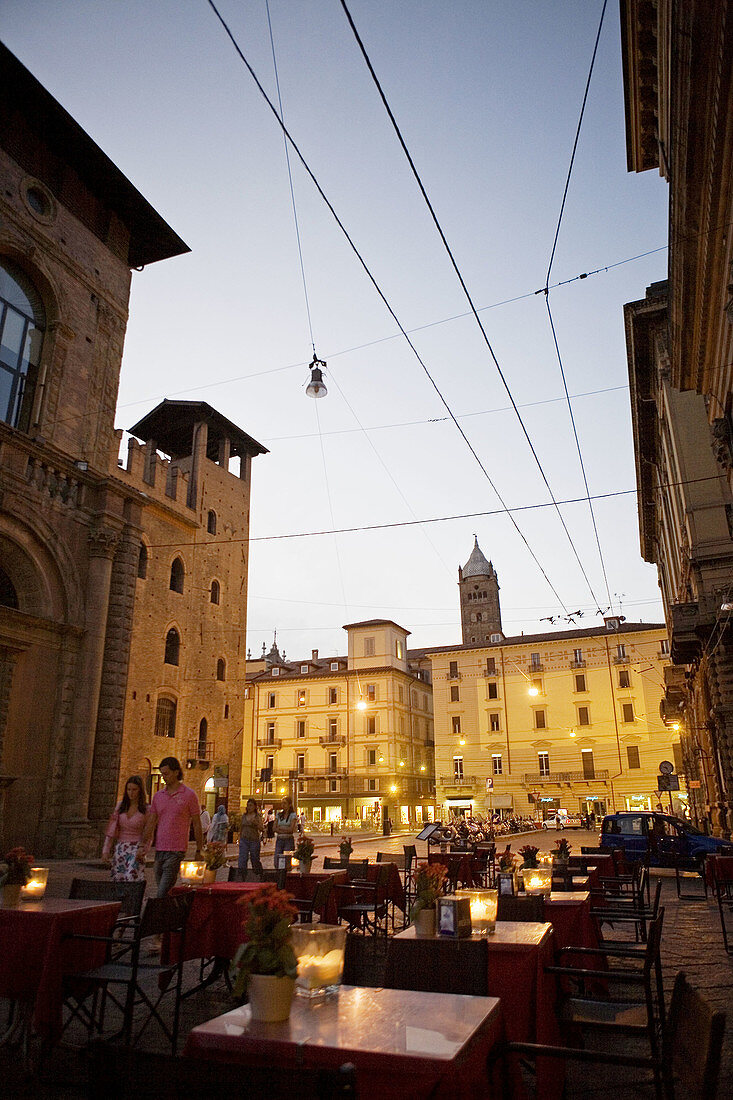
(529, 908)
(723, 887)
(629, 910)
(438, 965)
(684, 866)
(357, 869)
(278, 877)
(308, 908)
(129, 894)
(692, 1041)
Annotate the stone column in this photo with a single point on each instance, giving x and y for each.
(102, 545)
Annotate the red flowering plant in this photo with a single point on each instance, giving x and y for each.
(15, 869)
(529, 854)
(267, 948)
(429, 880)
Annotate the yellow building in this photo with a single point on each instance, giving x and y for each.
(347, 736)
(566, 720)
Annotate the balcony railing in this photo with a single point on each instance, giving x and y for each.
(621, 660)
(565, 777)
(535, 667)
(458, 780)
(269, 743)
(199, 750)
(320, 773)
(332, 739)
(577, 664)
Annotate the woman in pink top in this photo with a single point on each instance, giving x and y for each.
(125, 831)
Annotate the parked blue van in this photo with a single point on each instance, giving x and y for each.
(663, 836)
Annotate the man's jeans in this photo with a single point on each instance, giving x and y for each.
(167, 866)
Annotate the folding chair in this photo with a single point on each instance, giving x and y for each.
(308, 908)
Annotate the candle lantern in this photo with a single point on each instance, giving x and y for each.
(35, 888)
(483, 909)
(538, 880)
(192, 871)
(319, 949)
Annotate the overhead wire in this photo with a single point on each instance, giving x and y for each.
(549, 310)
(469, 299)
(384, 299)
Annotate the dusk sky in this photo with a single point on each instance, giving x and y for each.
(487, 96)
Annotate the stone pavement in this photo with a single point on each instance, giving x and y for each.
(691, 942)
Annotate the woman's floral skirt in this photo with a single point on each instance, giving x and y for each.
(125, 865)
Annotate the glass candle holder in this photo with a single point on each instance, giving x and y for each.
(319, 949)
(538, 880)
(192, 871)
(483, 909)
(35, 888)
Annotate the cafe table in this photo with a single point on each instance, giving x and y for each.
(403, 1045)
(214, 928)
(570, 915)
(37, 955)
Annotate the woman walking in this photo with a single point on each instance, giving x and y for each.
(125, 831)
(285, 823)
(250, 837)
(219, 828)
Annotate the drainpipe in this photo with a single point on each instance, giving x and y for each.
(615, 722)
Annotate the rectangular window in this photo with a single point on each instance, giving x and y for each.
(304, 668)
(456, 721)
(400, 693)
(624, 678)
(454, 695)
(333, 785)
(247, 692)
(632, 756)
(333, 695)
(300, 762)
(270, 765)
(372, 785)
(540, 721)
(333, 761)
(369, 647)
(333, 728)
(583, 716)
(494, 722)
(301, 729)
(401, 725)
(334, 666)
(664, 647)
(534, 660)
(536, 686)
(271, 733)
(398, 649)
(371, 758)
(493, 689)
(677, 757)
(371, 724)
(301, 786)
(580, 682)
(620, 650)
(371, 692)
(276, 671)
(301, 697)
(271, 700)
(628, 712)
(458, 767)
(578, 655)
(453, 670)
(543, 763)
(496, 767)
(491, 666)
(589, 770)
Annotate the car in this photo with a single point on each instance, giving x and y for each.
(661, 835)
(567, 821)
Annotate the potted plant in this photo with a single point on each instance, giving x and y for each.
(345, 849)
(529, 855)
(15, 872)
(215, 856)
(266, 964)
(562, 850)
(304, 854)
(429, 880)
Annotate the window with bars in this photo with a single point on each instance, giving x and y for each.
(165, 717)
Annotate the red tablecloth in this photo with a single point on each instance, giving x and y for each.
(571, 919)
(720, 868)
(404, 1045)
(304, 887)
(214, 926)
(463, 868)
(35, 956)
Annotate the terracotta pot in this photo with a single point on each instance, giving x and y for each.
(270, 997)
(425, 922)
(209, 875)
(11, 895)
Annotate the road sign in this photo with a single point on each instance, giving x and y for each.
(667, 782)
(694, 785)
(489, 783)
(666, 767)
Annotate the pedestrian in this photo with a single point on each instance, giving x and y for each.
(253, 828)
(219, 827)
(270, 828)
(172, 810)
(205, 819)
(285, 823)
(125, 831)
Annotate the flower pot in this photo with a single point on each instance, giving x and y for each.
(209, 875)
(270, 997)
(424, 922)
(11, 895)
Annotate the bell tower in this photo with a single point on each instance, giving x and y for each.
(478, 587)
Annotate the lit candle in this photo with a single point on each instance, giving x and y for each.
(193, 871)
(318, 971)
(36, 885)
(483, 909)
(538, 880)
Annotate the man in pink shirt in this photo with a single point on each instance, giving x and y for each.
(173, 810)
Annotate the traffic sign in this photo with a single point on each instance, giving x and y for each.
(666, 767)
(489, 783)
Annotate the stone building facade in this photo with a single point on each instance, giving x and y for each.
(348, 736)
(678, 83)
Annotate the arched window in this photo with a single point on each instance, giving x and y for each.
(221, 669)
(203, 735)
(211, 523)
(22, 323)
(177, 574)
(8, 595)
(172, 647)
(142, 562)
(215, 591)
(165, 717)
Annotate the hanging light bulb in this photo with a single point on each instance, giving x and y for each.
(316, 387)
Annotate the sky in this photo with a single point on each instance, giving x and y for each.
(487, 95)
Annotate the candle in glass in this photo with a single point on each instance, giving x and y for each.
(538, 880)
(36, 886)
(192, 871)
(483, 909)
(319, 949)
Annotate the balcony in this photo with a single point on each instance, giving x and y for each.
(620, 659)
(458, 781)
(332, 739)
(269, 743)
(535, 667)
(320, 773)
(577, 664)
(200, 752)
(557, 778)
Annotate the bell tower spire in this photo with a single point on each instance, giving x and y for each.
(478, 588)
